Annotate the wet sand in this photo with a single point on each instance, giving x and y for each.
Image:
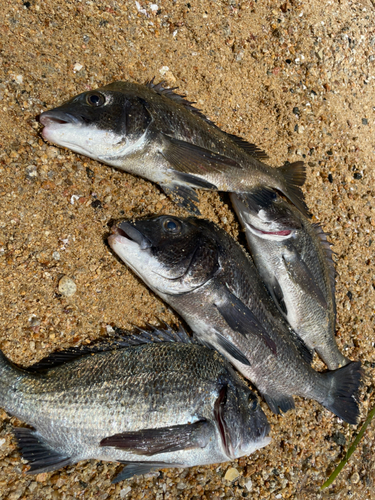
(292, 77)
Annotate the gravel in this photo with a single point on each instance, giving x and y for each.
(249, 66)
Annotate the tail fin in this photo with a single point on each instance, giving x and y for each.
(295, 176)
(344, 384)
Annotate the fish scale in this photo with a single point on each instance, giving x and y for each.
(153, 132)
(152, 405)
(207, 278)
(294, 260)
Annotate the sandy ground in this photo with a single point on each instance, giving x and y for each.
(294, 78)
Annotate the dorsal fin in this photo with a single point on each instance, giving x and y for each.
(250, 148)
(153, 334)
(328, 252)
(124, 338)
(160, 88)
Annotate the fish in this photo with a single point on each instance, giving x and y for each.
(208, 279)
(152, 400)
(151, 131)
(294, 260)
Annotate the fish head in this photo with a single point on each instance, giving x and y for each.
(103, 124)
(172, 255)
(268, 217)
(243, 426)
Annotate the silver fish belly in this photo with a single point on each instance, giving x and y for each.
(206, 277)
(153, 132)
(151, 406)
(294, 260)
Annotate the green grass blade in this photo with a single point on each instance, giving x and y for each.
(344, 461)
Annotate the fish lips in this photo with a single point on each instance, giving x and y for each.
(279, 235)
(58, 117)
(128, 230)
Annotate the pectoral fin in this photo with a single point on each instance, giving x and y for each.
(165, 439)
(241, 319)
(191, 159)
(232, 350)
(278, 296)
(302, 277)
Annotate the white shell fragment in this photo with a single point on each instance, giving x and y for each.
(67, 287)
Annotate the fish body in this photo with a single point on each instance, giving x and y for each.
(153, 132)
(153, 405)
(200, 271)
(294, 260)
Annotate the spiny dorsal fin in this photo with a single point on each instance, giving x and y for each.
(328, 252)
(124, 338)
(169, 92)
(160, 89)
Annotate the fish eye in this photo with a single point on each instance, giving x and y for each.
(95, 99)
(253, 402)
(172, 226)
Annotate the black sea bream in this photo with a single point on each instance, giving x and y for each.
(150, 131)
(294, 260)
(200, 271)
(151, 406)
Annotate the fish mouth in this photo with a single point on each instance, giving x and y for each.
(126, 230)
(51, 118)
(272, 235)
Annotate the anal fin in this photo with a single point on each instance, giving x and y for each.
(303, 349)
(41, 456)
(277, 403)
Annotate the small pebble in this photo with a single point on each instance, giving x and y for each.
(354, 478)
(42, 477)
(231, 474)
(31, 172)
(125, 491)
(96, 204)
(67, 287)
(77, 67)
(364, 121)
(56, 255)
(249, 485)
